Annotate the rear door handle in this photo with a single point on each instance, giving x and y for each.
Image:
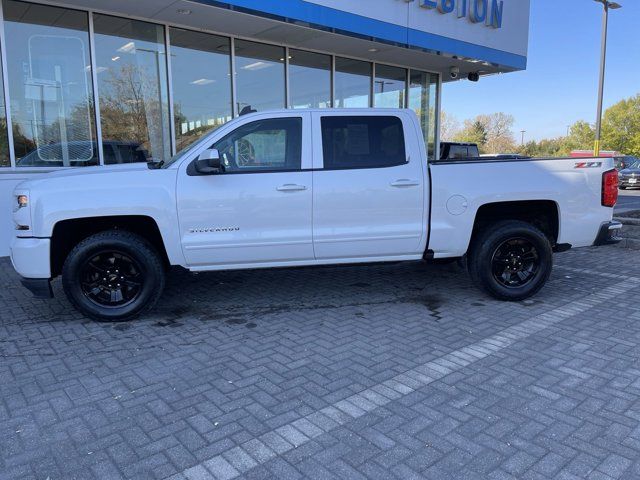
(291, 187)
(405, 182)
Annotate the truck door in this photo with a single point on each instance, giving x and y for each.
(259, 210)
(369, 188)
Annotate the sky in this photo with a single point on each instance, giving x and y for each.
(560, 85)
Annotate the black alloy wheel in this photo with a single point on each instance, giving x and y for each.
(515, 262)
(113, 276)
(510, 260)
(111, 279)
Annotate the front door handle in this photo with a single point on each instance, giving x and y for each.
(405, 182)
(291, 187)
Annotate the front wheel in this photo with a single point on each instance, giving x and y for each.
(511, 260)
(113, 276)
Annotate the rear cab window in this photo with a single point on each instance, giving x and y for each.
(350, 142)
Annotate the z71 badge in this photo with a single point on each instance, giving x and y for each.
(588, 165)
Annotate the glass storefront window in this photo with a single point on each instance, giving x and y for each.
(5, 160)
(49, 85)
(389, 87)
(422, 100)
(309, 79)
(132, 89)
(201, 80)
(352, 83)
(259, 76)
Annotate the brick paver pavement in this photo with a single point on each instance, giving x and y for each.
(390, 371)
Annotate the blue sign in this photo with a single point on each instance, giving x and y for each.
(478, 11)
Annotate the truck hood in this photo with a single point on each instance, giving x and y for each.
(86, 175)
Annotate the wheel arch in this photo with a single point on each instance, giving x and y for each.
(68, 233)
(543, 214)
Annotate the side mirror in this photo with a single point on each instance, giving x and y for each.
(208, 163)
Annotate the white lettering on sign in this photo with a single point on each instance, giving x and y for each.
(477, 11)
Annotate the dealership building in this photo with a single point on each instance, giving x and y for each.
(95, 83)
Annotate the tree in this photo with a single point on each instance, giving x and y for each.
(621, 127)
(500, 136)
(491, 132)
(581, 136)
(474, 131)
(553, 147)
(449, 126)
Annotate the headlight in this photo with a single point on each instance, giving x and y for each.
(23, 201)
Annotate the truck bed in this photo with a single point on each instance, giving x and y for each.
(461, 186)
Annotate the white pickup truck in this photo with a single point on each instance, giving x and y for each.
(312, 187)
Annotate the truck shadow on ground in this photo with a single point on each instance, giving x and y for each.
(242, 298)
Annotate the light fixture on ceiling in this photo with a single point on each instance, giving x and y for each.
(128, 48)
(374, 50)
(257, 66)
(202, 81)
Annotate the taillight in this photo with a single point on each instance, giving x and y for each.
(610, 188)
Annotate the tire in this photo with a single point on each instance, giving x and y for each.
(505, 252)
(623, 188)
(133, 278)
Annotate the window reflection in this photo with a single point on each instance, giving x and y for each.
(132, 86)
(265, 145)
(353, 83)
(422, 100)
(201, 79)
(49, 85)
(390, 87)
(4, 141)
(309, 79)
(259, 76)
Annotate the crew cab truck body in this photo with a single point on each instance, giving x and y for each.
(291, 188)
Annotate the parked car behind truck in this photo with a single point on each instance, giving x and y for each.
(630, 175)
(290, 188)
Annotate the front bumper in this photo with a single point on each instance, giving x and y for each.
(608, 234)
(31, 259)
(626, 183)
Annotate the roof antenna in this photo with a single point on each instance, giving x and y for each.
(247, 110)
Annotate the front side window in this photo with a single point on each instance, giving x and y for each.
(49, 85)
(264, 145)
(362, 142)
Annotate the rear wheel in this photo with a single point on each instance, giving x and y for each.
(113, 276)
(623, 188)
(511, 260)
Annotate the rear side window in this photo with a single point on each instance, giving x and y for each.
(362, 142)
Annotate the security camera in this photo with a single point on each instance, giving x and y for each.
(473, 76)
(454, 72)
